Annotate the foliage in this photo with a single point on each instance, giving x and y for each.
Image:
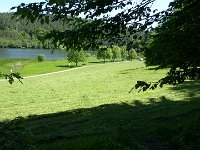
(14, 135)
(92, 30)
(124, 54)
(76, 56)
(174, 76)
(41, 58)
(87, 55)
(17, 34)
(175, 44)
(116, 52)
(101, 53)
(104, 53)
(10, 77)
(109, 53)
(132, 54)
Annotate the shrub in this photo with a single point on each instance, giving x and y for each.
(116, 52)
(101, 54)
(132, 54)
(88, 55)
(41, 57)
(124, 54)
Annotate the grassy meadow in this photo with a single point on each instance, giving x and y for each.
(91, 108)
(28, 67)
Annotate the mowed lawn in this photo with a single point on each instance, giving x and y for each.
(29, 67)
(91, 108)
(81, 88)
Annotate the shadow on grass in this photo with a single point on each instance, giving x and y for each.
(159, 124)
(128, 71)
(95, 62)
(67, 66)
(191, 88)
(154, 68)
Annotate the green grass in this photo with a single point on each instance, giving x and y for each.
(91, 108)
(29, 67)
(82, 88)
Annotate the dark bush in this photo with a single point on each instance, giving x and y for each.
(41, 57)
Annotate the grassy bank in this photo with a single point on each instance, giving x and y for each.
(91, 108)
(28, 67)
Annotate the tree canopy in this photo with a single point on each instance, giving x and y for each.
(175, 43)
(91, 20)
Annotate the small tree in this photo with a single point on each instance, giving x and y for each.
(109, 54)
(82, 56)
(103, 53)
(116, 52)
(76, 56)
(132, 54)
(124, 53)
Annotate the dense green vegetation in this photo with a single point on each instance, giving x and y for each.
(175, 44)
(18, 34)
(91, 108)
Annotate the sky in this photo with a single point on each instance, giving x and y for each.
(5, 5)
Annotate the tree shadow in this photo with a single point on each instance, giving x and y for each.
(67, 66)
(155, 68)
(191, 88)
(95, 62)
(160, 123)
(128, 71)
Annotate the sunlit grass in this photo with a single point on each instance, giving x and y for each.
(83, 108)
(86, 87)
(29, 67)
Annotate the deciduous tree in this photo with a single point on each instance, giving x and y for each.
(76, 56)
(175, 43)
(116, 52)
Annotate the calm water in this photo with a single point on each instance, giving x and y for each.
(31, 53)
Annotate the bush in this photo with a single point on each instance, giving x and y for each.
(132, 54)
(41, 57)
(116, 52)
(88, 55)
(124, 54)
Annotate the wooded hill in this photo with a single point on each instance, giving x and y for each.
(20, 34)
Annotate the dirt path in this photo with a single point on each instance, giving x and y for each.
(39, 75)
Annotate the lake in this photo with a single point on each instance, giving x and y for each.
(32, 53)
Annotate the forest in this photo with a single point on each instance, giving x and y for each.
(16, 33)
